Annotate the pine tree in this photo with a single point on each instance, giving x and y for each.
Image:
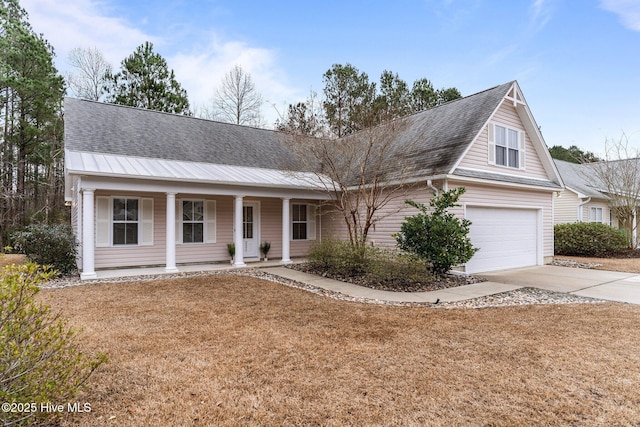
(31, 97)
(145, 81)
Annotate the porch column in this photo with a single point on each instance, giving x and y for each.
(170, 266)
(286, 251)
(238, 260)
(88, 238)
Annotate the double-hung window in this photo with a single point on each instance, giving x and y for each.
(506, 146)
(195, 221)
(303, 221)
(595, 214)
(192, 221)
(124, 221)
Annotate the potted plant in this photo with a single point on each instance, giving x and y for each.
(264, 248)
(231, 248)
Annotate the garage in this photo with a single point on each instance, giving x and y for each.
(507, 238)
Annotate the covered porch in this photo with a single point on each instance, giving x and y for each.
(126, 222)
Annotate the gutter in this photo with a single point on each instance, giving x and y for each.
(580, 205)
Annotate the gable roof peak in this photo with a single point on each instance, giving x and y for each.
(505, 86)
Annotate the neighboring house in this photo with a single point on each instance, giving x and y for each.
(585, 198)
(150, 188)
(580, 201)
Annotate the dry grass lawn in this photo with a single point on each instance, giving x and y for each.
(231, 350)
(6, 259)
(629, 265)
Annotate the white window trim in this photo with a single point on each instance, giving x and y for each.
(105, 221)
(209, 229)
(491, 146)
(310, 222)
(593, 214)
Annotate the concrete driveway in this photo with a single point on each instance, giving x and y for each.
(607, 285)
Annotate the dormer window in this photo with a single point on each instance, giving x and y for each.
(506, 146)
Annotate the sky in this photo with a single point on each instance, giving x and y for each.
(577, 61)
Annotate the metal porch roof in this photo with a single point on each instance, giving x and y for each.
(99, 164)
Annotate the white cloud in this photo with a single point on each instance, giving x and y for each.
(202, 70)
(83, 23)
(199, 63)
(627, 10)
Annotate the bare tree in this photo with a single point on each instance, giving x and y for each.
(91, 69)
(237, 101)
(304, 118)
(618, 177)
(362, 173)
(205, 111)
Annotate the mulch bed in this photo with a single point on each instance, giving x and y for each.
(430, 283)
(627, 253)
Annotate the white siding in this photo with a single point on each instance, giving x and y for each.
(270, 229)
(477, 156)
(271, 226)
(128, 256)
(187, 253)
(392, 215)
(565, 207)
(476, 195)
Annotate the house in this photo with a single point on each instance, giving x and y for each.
(150, 188)
(585, 197)
(580, 201)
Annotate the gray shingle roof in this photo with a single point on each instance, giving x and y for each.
(578, 178)
(436, 138)
(114, 129)
(586, 178)
(431, 143)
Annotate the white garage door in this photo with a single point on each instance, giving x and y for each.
(507, 238)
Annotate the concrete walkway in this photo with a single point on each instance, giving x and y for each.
(459, 293)
(607, 285)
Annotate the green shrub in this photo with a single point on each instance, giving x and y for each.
(39, 358)
(44, 244)
(395, 270)
(435, 235)
(588, 239)
(339, 257)
(374, 265)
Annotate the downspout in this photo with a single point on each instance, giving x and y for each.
(580, 205)
(430, 185)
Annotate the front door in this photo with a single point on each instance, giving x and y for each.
(251, 229)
